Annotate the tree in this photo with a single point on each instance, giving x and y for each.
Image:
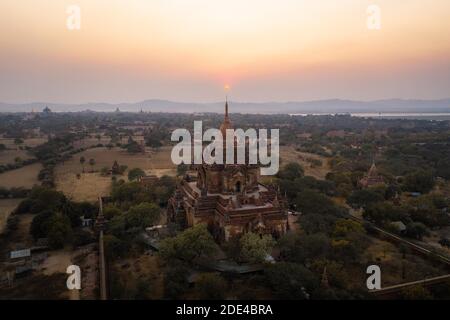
(18, 141)
(302, 248)
(192, 243)
(311, 201)
(82, 161)
(175, 281)
(59, 231)
(182, 169)
(111, 212)
(92, 164)
(382, 212)
(114, 247)
(39, 225)
(419, 181)
(291, 281)
(345, 227)
(135, 174)
(135, 220)
(143, 215)
(363, 198)
(291, 171)
(416, 230)
(210, 286)
(254, 248)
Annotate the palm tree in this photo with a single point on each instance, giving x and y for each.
(92, 163)
(82, 161)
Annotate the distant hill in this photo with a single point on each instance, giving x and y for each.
(317, 106)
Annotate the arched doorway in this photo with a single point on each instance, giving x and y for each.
(238, 186)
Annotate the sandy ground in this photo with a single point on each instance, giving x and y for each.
(24, 177)
(31, 142)
(92, 185)
(6, 207)
(88, 188)
(151, 160)
(289, 154)
(9, 156)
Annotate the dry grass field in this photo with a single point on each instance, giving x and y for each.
(9, 156)
(31, 142)
(91, 141)
(88, 188)
(25, 177)
(91, 185)
(150, 161)
(6, 207)
(289, 154)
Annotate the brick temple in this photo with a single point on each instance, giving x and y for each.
(228, 198)
(372, 178)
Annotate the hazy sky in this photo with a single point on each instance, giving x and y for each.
(187, 50)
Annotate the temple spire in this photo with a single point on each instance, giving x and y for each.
(226, 106)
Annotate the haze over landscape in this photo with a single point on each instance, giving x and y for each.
(316, 107)
(129, 51)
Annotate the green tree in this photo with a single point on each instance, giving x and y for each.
(192, 243)
(111, 212)
(416, 230)
(255, 248)
(419, 181)
(59, 231)
(303, 248)
(143, 215)
(291, 171)
(363, 198)
(135, 174)
(291, 281)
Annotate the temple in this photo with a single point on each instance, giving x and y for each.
(228, 198)
(372, 178)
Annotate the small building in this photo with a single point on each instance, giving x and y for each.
(86, 222)
(147, 181)
(25, 253)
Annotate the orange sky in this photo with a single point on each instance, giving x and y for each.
(129, 50)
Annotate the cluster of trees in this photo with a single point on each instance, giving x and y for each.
(18, 163)
(56, 217)
(179, 253)
(418, 214)
(133, 207)
(125, 194)
(132, 146)
(13, 193)
(339, 245)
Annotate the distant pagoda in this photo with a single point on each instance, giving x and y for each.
(372, 178)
